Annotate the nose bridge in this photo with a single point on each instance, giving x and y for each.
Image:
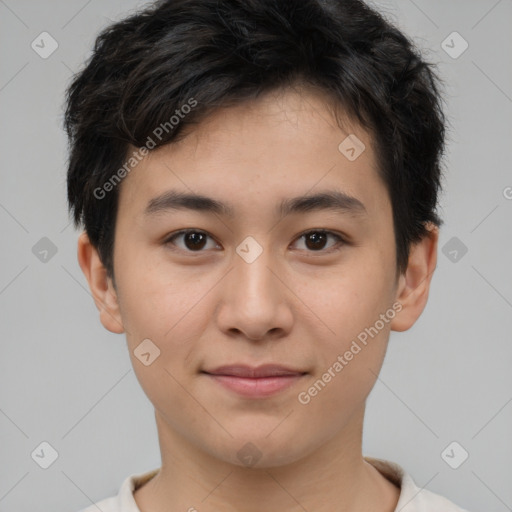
(252, 275)
(252, 299)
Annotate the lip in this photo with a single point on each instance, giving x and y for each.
(247, 371)
(255, 382)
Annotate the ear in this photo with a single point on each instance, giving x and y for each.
(102, 287)
(414, 284)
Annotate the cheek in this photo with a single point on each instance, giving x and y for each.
(170, 313)
(155, 298)
(349, 299)
(350, 306)
(348, 361)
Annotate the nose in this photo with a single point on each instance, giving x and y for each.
(254, 302)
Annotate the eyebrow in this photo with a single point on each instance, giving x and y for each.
(332, 200)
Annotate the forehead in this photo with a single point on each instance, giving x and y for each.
(281, 145)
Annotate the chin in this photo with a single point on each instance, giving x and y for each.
(259, 451)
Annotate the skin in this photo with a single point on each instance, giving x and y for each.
(293, 305)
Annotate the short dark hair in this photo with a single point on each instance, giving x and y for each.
(146, 67)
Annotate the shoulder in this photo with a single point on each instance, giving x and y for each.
(417, 499)
(412, 498)
(124, 501)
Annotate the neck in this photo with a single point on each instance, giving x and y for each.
(333, 476)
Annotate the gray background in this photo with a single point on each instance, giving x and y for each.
(67, 381)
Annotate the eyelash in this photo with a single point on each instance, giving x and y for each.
(340, 240)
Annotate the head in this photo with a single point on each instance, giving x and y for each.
(250, 105)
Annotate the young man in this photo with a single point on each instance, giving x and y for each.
(258, 182)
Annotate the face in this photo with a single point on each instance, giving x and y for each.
(264, 279)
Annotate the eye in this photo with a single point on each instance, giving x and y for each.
(194, 240)
(315, 240)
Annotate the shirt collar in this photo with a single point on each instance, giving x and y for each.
(412, 498)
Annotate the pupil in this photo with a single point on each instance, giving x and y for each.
(313, 240)
(318, 240)
(195, 240)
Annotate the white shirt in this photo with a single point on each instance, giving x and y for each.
(412, 498)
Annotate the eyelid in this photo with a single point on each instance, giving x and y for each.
(175, 234)
(341, 239)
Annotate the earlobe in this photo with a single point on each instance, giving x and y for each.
(101, 286)
(414, 284)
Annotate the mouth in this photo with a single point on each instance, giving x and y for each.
(255, 382)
